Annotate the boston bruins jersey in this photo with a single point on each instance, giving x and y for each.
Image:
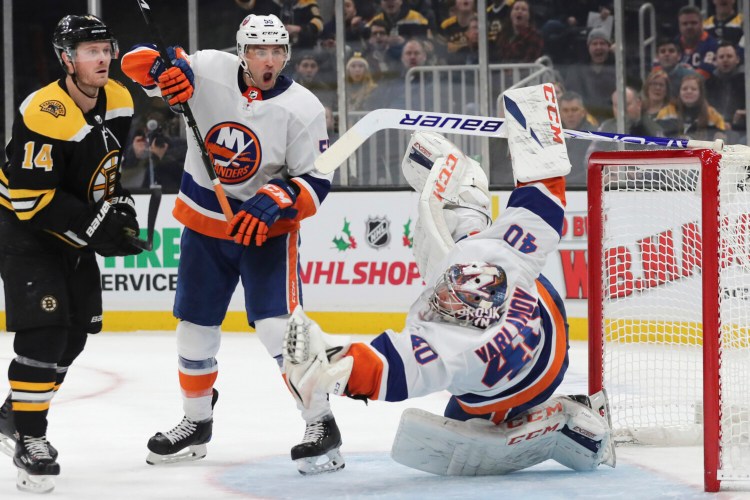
(61, 160)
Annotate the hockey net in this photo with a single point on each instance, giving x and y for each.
(669, 300)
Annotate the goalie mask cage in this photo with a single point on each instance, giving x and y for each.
(669, 300)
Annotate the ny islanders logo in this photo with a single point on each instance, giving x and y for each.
(235, 152)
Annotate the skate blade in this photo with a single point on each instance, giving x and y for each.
(34, 484)
(7, 446)
(194, 452)
(309, 466)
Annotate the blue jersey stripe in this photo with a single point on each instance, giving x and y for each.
(535, 201)
(203, 197)
(321, 186)
(396, 385)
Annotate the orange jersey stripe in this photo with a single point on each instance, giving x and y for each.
(292, 289)
(366, 373)
(556, 186)
(501, 408)
(215, 228)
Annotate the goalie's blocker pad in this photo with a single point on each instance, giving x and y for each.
(535, 134)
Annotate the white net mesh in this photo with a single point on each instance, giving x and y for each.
(652, 303)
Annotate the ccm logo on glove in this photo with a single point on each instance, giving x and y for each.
(272, 201)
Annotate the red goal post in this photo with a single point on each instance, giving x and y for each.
(669, 300)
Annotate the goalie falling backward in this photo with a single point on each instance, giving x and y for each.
(488, 328)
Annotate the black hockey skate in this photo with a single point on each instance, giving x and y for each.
(165, 447)
(322, 440)
(8, 436)
(36, 467)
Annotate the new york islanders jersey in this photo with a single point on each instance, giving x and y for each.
(251, 137)
(519, 358)
(61, 160)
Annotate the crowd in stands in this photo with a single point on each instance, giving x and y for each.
(694, 88)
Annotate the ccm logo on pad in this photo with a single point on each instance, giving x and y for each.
(552, 113)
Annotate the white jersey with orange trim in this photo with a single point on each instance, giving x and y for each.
(515, 360)
(251, 138)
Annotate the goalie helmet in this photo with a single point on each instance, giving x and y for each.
(72, 30)
(262, 30)
(471, 294)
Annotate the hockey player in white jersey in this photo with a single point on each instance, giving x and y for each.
(263, 133)
(488, 328)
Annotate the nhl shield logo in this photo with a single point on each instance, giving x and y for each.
(378, 232)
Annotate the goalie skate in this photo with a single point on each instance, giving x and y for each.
(319, 450)
(599, 402)
(170, 447)
(36, 467)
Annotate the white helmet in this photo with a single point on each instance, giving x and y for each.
(262, 30)
(472, 294)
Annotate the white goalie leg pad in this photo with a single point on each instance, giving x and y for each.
(423, 150)
(571, 433)
(314, 362)
(444, 446)
(535, 135)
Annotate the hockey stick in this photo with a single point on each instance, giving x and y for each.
(451, 123)
(153, 210)
(187, 113)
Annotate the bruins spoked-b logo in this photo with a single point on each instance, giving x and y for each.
(53, 107)
(48, 303)
(235, 152)
(102, 184)
(378, 232)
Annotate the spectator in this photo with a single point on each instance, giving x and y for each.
(383, 60)
(726, 89)
(392, 93)
(668, 55)
(306, 74)
(574, 116)
(498, 12)
(519, 40)
(698, 47)
(637, 123)
(401, 22)
(302, 19)
(360, 84)
(656, 92)
(595, 81)
(355, 29)
(573, 113)
(726, 23)
(453, 35)
(690, 115)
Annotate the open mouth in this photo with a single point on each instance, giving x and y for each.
(267, 77)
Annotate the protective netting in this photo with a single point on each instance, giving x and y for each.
(652, 299)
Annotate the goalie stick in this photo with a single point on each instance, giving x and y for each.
(451, 123)
(187, 113)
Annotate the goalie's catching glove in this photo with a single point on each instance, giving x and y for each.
(109, 228)
(272, 202)
(176, 83)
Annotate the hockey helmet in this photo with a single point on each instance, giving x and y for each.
(262, 30)
(72, 30)
(471, 294)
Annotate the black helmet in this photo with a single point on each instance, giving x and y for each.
(72, 30)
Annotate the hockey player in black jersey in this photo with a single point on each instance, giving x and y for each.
(61, 202)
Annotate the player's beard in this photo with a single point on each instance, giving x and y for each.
(90, 80)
